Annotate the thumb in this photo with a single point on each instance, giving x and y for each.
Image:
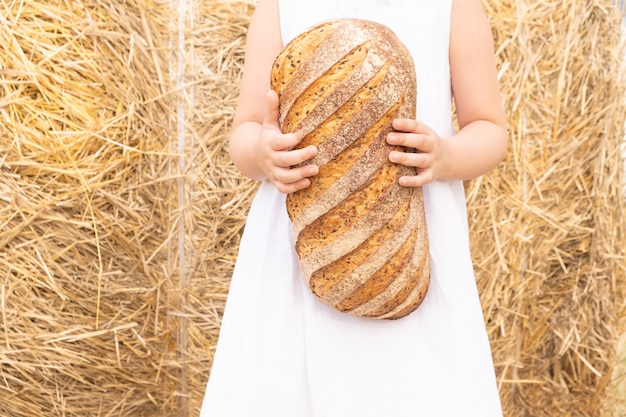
(272, 111)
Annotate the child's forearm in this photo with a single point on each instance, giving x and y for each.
(473, 151)
(242, 149)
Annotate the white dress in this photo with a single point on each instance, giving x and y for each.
(283, 353)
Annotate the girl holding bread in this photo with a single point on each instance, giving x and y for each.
(284, 353)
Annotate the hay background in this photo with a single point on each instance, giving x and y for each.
(88, 282)
(120, 212)
(548, 225)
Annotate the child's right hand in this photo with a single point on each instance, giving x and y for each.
(274, 154)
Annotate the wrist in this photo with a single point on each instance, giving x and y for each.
(446, 159)
(244, 152)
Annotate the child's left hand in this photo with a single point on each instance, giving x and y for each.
(428, 158)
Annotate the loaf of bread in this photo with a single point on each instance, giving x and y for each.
(360, 237)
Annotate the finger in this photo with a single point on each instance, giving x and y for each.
(272, 111)
(293, 175)
(308, 170)
(293, 187)
(410, 140)
(419, 180)
(412, 126)
(411, 159)
(295, 157)
(281, 142)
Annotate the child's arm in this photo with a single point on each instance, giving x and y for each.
(481, 141)
(257, 147)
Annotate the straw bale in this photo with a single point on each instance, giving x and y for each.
(85, 212)
(219, 195)
(548, 226)
(121, 214)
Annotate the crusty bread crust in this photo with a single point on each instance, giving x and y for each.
(360, 237)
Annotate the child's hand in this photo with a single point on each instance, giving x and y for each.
(429, 151)
(275, 157)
